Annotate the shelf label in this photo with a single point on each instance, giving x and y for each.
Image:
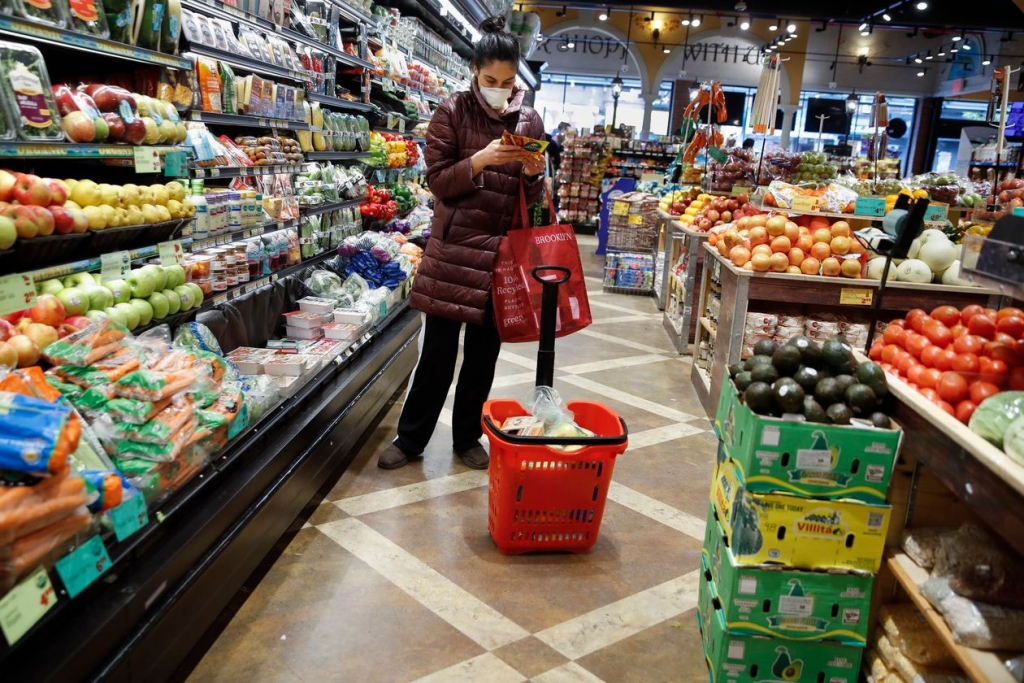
(83, 565)
(129, 517)
(401, 126)
(936, 211)
(869, 206)
(26, 604)
(115, 266)
(737, 190)
(850, 296)
(220, 299)
(171, 253)
(636, 219)
(718, 155)
(147, 159)
(805, 203)
(17, 292)
(175, 164)
(1018, 211)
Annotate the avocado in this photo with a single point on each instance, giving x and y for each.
(872, 374)
(757, 360)
(810, 352)
(813, 412)
(861, 399)
(742, 381)
(764, 372)
(839, 414)
(807, 377)
(787, 360)
(789, 396)
(838, 355)
(845, 382)
(735, 369)
(881, 420)
(764, 347)
(759, 398)
(827, 391)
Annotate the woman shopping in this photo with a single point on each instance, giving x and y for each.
(475, 181)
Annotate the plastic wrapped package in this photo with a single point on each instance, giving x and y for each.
(914, 673)
(27, 509)
(886, 651)
(994, 415)
(88, 345)
(166, 451)
(160, 428)
(969, 545)
(783, 333)
(909, 632)
(153, 385)
(875, 667)
(976, 624)
(924, 545)
(43, 546)
(761, 320)
(25, 92)
(38, 436)
(261, 394)
(104, 371)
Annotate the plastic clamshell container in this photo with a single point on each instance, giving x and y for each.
(87, 16)
(26, 94)
(50, 12)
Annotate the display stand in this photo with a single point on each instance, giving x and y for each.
(681, 290)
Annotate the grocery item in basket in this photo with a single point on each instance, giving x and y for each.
(545, 404)
(976, 624)
(909, 632)
(87, 345)
(924, 545)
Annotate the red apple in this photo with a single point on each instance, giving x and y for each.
(743, 198)
(42, 335)
(28, 352)
(40, 218)
(24, 222)
(135, 132)
(7, 330)
(109, 97)
(116, 125)
(79, 322)
(713, 215)
(65, 99)
(31, 189)
(63, 220)
(7, 181)
(81, 221)
(58, 193)
(727, 216)
(48, 310)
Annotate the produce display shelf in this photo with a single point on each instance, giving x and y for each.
(633, 152)
(393, 131)
(439, 20)
(250, 231)
(824, 214)
(408, 89)
(243, 171)
(980, 666)
(707, 325)
(251, 286)
(58, 37)
(94, 264)
(219, 119)
(335, 156)
(71, 150)
(249, 64)
(354, 14)
(331, 206)
(339, 102)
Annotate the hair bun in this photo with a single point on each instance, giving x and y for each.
(495, 24)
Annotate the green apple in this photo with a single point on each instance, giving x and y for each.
(96, 316)
(187, 297)
(49, 287)
(142, 282)
(99, 297)
(117, 314)
(131, 315)
(121, 290)
(173, 301)
(144, 310)
(197, 293)
(159, 276)
(79, 279)
(74, 299)
(161, 307)
(8, 233)
(175, 276)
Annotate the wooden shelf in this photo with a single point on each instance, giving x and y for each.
(706, 324)
(980, 667)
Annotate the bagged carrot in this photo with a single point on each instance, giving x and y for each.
(153, 385)
(160, 452)
(37, 437)
(104, 371)
(159, 429)
(29, 551)
(134, 411)
(88, 345)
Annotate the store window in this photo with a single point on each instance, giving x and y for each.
(954, 115)
(586, 102)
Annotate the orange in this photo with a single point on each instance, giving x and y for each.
(779, 262)
(796, 256)
(819, 250)
(822, 235)
(850, 267)
(757, 221)
(810, 266)
(739, 255)
(804, 242)
(794, 270)
(762, 249)
(840, 245)
(760, 262)
(776, 226)
(781, 244)
(758, 236)
(748, 266)
(841, 229)
(792, 231)
(830, 267)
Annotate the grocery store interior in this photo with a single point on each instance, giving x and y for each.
(485, 341)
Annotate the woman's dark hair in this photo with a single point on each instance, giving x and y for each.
(496, 44)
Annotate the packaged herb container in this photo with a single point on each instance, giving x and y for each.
(26, 94)
(52, 12)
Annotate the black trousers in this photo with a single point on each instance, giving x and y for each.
(428, 389)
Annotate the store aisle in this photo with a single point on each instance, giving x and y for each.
(394, 577)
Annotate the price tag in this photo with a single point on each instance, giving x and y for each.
(737, 190)
(147, 159)
(26, 604)
(1018, 211)
(401, 126)
(214, 172)
(870, 206)
(804, 203)
(129, 517)
(620, 209)
(220, 299)
(636, 219)
(936, 211)
(79, 568)
(115, 266)
(849, 296)
(17, 292)
(380, 176)
(175, 164)
(718, 155)
(171, 253)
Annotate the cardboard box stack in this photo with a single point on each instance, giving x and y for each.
(796, 529)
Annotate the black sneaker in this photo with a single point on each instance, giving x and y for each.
(475, 458)
(392, 458)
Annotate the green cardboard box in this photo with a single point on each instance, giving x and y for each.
(757, 659)
(806, 458)
(801, 533)
(786, 603)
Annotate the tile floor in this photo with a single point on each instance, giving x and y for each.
(393, 577)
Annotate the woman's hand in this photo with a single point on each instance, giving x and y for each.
(533, 165)
(494, 154)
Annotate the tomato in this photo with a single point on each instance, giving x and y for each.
(1012, 325)
(916, 344)
(898, 358)
(994, 371)
(919, 323)
(947, 315)
(889, 352)
(930, 378)
(929, 355)
(944, 361)
(992, 313)
(968, 343)
(952, 387)
(964, 410)
(929, 394)
(898, 322)
(913, 316)
(894, 335)
(938, 333)
(906, 364)
(886, 367)
(982, 325)
(875, 352)
(969, 312)
(979, 391)
(958, 330)
(1004, 338)
(913, 373)
(1017, 379)
(945, 406)
(1003, 352)
(1009, 312)
(966, 362)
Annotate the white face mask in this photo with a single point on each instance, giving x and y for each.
(496, 97)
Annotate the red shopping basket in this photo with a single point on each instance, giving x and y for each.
(540, 497)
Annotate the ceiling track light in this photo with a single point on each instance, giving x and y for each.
(562, 12)
(918, 60)
(922, 5)
(744, 23)
(666, 49)
(774, 26)
(967, 46)
(862, 26)
(986, 61)
(695, 21)
(929, 55)
(886, 16)
(791, 28)
(603, 16)
(867, 31)
(959, 37)
(921, 72)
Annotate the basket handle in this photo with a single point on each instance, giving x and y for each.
(559, 440)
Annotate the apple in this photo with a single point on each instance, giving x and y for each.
(63, 220)
(197, 294)
(131, 315)
(42, 218)
(109, 97)
(99, 297)
(28, 352)
(31, 189)
(187, 297)
(78, 322)
(115, 126)
(135, 132)
(116, 314)
(159, 275)
(121, 290)
(175, 276)
(160, 305)
(80, 221)
(142, 282)
(8, 233)
(49, 310)
(49, 287)
(42, 335)
(7, 181)
(80, 280)
(76, 302)
(97, 316)
(7, 330)
(58, 191)
(173, 301)
(143, 308)
(8, 356)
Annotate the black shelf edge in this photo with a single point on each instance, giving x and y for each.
(408, 90)
(331, 206)
(249, 64)
(336, 156)
(244, 233)
(354, 15)
(245, 120)
(72, 150)
(339, 103)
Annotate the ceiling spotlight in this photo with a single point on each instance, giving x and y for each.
(862, 26)
(958, 38)
(929, 55)
(954, 49)
(561, 13)
(745, 24)
(917, 59)
(942, 51)
(866, 31)
(570, 44)
(685, 22)
(920, 73)
(986, 61)
(791, 28)
(967, 46)
(922, 5)
(886, 16)
(774, 26)
(695, 21)
(603, 16)
(666, 49)
(792, 36)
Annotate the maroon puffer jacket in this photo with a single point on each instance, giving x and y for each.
(470, 214)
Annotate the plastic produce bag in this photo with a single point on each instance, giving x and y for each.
(924, 546)
(975, 624)
(909, 632)
(196, 336)
(993, 417)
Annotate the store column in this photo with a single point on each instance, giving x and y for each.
(788, 112)
(649, 98)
